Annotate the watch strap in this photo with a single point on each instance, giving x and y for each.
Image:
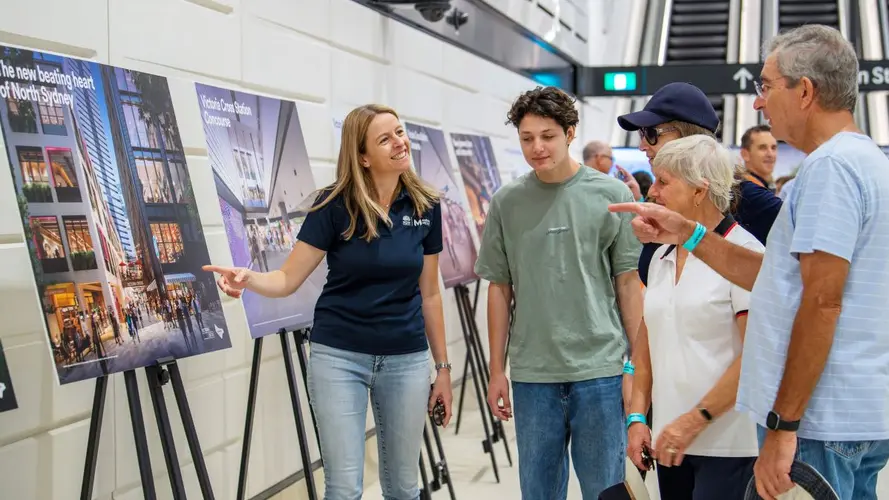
(775, 423)
(439, 366)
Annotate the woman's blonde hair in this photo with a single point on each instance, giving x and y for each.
(355, 183)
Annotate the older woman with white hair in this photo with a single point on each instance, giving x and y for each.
(689, 357)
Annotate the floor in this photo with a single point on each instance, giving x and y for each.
(471, 470)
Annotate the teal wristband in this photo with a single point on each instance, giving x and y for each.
(632, 418)
(695, 238)
(629, 368)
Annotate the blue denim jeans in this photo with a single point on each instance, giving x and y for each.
(339, 384)
(588, 416)
(851, 467)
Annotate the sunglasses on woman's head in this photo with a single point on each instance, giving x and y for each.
(650, 134)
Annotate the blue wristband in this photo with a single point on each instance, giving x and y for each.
(695, 238)
(629, 368)
(632, 418)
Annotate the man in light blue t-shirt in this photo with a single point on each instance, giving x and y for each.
(815, 367)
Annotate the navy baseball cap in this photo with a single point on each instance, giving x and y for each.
(678, 101)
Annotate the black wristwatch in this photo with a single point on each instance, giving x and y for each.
(706, 414)
(774, 422)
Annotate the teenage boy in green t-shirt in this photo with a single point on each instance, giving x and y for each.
(550, 240)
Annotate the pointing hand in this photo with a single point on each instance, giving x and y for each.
(656, 224)
(232, 280)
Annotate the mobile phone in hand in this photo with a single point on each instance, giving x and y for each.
(438, 413)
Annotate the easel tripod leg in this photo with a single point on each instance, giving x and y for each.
(92, 448)
(248, 421)
(301, 337)
(477, 349)
(425, 493)
(191, 433)
(465, 318)
(462, 393)
(445, 471)
(436, 475)
(155, 387)
(141, 441)
(166, 432)
(298, 416)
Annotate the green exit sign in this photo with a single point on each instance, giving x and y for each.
(617, 82)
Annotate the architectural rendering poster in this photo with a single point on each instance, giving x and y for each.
(431, 160)
(265, 183)
(510, 159)
(7, 393)
(109, 215)
(478, 167)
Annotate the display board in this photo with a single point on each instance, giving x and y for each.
(433, 164)
(510, 159)
(7, 393)
(478, 168)
(265, 186)
(109, 215)
(630, 159)
(338, 116)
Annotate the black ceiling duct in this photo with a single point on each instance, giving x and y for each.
(476, 27)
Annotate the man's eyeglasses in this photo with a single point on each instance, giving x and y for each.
(757, 85)
(650, 134)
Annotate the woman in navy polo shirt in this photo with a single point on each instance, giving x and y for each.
(379, 226)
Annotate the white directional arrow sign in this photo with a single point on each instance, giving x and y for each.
(742, 76)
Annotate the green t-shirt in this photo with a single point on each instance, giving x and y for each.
(560, 247)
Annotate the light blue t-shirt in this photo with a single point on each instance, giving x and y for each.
(839, 205)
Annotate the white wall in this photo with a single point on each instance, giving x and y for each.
(325, 55)
(615, 34)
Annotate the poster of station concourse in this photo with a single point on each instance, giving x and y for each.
(265, 184)
(478, 168)
(110, 221)
(432, 163)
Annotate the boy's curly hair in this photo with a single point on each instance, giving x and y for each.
(548, 102)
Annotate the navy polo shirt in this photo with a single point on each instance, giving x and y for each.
(371, 302)
(756, 211)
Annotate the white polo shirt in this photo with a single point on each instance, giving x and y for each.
(693, 338)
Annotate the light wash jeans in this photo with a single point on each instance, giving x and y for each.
(851, 467)
(399, 387)
(588, 416)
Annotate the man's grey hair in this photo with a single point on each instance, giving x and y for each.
(700, 161)
(825, 57)
(592, 149)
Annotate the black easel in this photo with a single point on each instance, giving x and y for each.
(440, 473)
(301, 337)
(479, 370)
(466, 362)
(158, 375)
(478, 287)
(297, 415)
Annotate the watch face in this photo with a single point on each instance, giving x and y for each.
(772, 420)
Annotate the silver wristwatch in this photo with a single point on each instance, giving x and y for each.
(439, 366)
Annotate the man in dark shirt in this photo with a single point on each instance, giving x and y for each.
(759, 150)
(679, 110)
